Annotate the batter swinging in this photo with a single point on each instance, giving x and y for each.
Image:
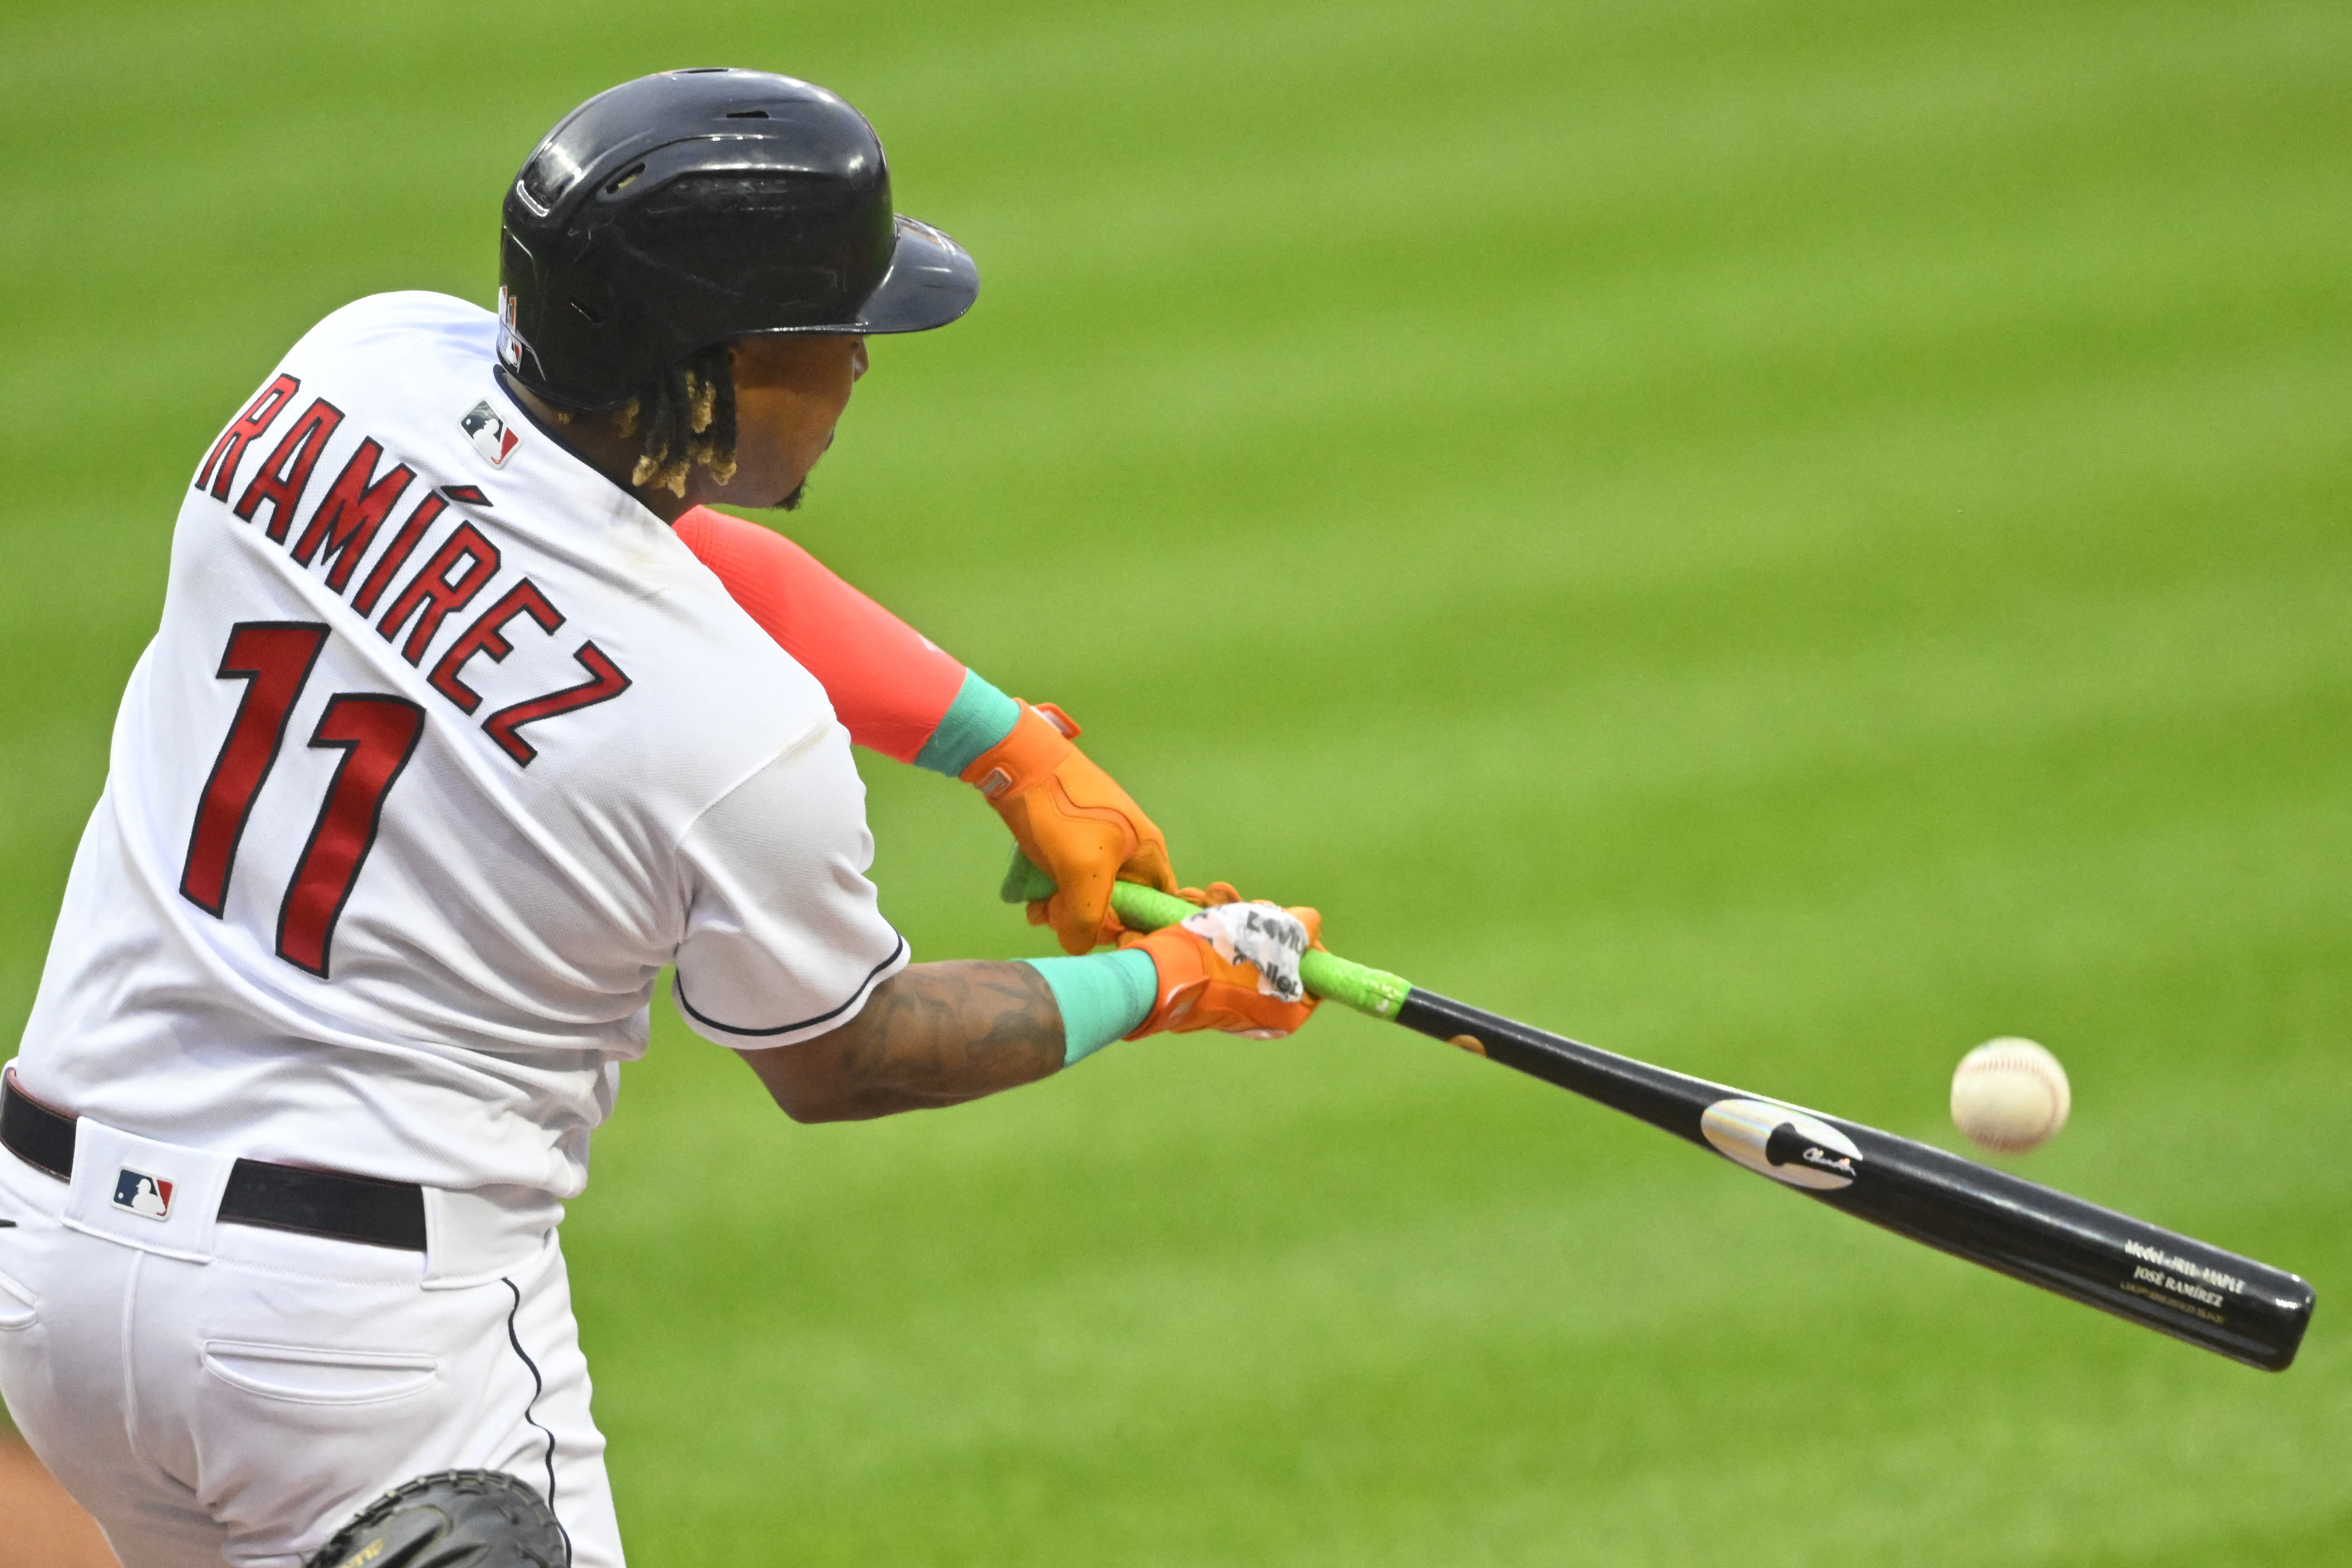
(448, 742)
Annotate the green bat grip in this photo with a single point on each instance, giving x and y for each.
(1326, 974)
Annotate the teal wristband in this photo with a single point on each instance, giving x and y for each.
(1102, 996)
(979, 718)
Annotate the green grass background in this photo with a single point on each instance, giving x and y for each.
(1784, 537)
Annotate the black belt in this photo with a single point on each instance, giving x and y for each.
(281, 1197)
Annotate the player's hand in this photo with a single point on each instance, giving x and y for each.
(1233, 967)
(1073, 823)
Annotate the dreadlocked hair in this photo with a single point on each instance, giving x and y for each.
(689, 417)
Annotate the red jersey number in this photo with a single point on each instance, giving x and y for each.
(376, 734)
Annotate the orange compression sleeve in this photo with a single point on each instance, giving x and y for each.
(889, 686)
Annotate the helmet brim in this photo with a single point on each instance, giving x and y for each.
(931, 281)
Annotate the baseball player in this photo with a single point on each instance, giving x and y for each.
(447, 744)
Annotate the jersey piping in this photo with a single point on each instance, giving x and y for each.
(678, 987)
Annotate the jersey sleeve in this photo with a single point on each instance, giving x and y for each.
(889, 685)
(785, 936)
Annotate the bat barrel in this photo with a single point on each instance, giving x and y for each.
(2234, 1306)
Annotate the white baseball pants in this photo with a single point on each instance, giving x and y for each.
(241, 1402)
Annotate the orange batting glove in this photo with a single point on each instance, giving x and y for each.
(1233, 967)
(1073, 823)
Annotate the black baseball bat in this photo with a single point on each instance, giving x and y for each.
(2174, 1284)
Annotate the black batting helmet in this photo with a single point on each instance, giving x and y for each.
(682, 209)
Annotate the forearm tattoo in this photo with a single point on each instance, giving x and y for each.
(938, 1034)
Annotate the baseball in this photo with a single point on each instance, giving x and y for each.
(2009, 1096)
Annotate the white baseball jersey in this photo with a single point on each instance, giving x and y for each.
(445, 747)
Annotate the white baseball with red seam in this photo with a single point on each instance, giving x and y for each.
(2009, 1096)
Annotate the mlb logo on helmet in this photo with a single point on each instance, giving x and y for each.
(511, 344)
(489, 433)
(136, 1192)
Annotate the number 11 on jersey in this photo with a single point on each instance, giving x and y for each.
(377, 735)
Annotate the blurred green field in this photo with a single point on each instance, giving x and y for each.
(1785, 537)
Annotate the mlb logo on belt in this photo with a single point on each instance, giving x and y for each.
(138, 1193)
(489, 433)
